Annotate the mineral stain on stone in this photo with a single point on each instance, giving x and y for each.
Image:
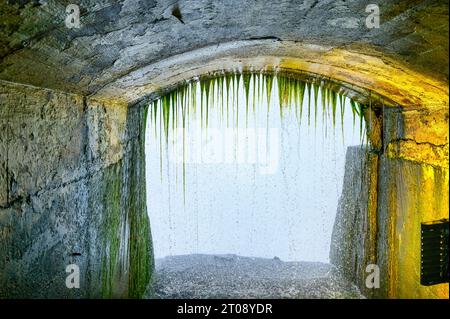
(176, 12)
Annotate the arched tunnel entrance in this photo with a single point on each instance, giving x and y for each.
(358, 230)
(245, 172)
(75, 103)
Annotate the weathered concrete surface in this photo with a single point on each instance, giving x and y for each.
(387, 193)
(375, 72)
(409, 193)
(72, 172)
(79, 152)
(353, 242)
(119, 39)
(386, 230)
(417, 135)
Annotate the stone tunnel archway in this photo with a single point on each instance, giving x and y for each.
(386, 164)
(75, 196)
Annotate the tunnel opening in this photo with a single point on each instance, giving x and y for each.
(245, 173)
(74, 98)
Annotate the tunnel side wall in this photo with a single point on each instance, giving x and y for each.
(407, 181)
(409, 193)
(352, 241)
(72, 191)
(412, 188)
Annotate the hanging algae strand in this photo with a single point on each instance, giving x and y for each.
(179, 105)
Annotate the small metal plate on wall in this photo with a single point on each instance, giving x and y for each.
(434, 252)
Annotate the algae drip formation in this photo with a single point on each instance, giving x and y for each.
(193, 101)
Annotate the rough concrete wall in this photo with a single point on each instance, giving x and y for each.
(353, 244)
(412, 188)
(410, 185)
(417, 135)
(65, 195)
(409, 193)
(119, 37)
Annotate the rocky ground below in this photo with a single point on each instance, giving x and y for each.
(231, 276)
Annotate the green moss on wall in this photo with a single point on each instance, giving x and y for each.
(126, 246)
(112, 222)
(141, 262)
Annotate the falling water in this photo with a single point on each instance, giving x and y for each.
(253, 112)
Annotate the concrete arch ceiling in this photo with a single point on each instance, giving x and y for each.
(128, 49)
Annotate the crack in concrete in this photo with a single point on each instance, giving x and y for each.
(399, 140)
(52, 188)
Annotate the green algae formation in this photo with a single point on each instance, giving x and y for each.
(291, 95)
(125, 240)
(223, 90)
(141, 260)
(111, 232)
